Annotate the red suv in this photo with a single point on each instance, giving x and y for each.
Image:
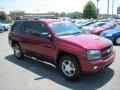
(62, 43)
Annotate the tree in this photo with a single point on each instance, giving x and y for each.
(2, 16)
(90, 10)
(8, 19)
(62, 14)
(75, 15)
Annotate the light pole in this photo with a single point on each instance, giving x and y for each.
(37, 17)
(112, 7)
(108, 8)
(97, 8)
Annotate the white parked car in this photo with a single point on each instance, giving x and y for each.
(5, 26)
(1, 28)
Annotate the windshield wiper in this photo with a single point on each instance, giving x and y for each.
(77, 33)
(65, 34)
(70, 33)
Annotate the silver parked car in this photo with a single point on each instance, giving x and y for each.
(1, 28)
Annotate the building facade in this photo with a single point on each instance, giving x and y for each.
(19, 14)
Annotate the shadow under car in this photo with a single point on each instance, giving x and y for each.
(88, 82)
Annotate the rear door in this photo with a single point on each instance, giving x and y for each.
(15, 32)
(26, 37)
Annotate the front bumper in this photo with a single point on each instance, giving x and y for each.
(95, 66)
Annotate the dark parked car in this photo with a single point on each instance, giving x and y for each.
(112, 34)
(82, 24)
(63, 44)
(91, 27)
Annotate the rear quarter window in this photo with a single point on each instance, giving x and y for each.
(16, 27)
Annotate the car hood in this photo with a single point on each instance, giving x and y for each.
(87, 41)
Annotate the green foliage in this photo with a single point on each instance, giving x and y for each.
(2, 16)
(62, 14)
(8, 19)
(90, 10)
(75, 15)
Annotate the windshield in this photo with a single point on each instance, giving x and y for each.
(107, 25)
(97, 24)
(65, 28)
(117, 28)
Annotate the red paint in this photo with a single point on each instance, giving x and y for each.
(76, 45)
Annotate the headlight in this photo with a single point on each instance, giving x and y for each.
(93, 55)
(108, 35)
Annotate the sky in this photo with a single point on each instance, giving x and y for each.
(42, 6)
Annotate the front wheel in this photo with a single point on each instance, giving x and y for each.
(70, 67)
(117, 41)
(18, 52)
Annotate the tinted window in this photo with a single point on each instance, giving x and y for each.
(16, 27)
(101, 24)
(27, 25)
(40, 27)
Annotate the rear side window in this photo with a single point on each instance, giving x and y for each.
(16, 27)
(101, 24)
(27, 25)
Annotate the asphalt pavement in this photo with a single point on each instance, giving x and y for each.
(29, 74)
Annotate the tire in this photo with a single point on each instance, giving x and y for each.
(117, 41)
(73, 71)
(18, 52)
(1, 30)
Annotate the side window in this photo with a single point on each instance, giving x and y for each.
(16, 27)
(13, 27)
(99, 25)
(27, 25)
(40, 27)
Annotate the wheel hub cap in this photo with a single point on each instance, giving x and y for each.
(17, 51)
(118, 41)
(68, 68)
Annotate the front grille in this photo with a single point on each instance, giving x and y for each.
(107, 51)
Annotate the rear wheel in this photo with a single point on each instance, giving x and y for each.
(18, 52)
(117, 41)
(70, 68)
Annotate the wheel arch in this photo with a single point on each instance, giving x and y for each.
(118, 36)
(62, 53)
(14, 42)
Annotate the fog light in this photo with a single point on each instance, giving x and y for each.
(95, 67)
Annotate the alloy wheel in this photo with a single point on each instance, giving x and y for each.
(68, 68)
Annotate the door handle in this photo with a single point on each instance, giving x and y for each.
(44, 44)
(48, 45)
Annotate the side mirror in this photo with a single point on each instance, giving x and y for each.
(46, 35)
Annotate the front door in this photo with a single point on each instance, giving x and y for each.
(43, 46)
